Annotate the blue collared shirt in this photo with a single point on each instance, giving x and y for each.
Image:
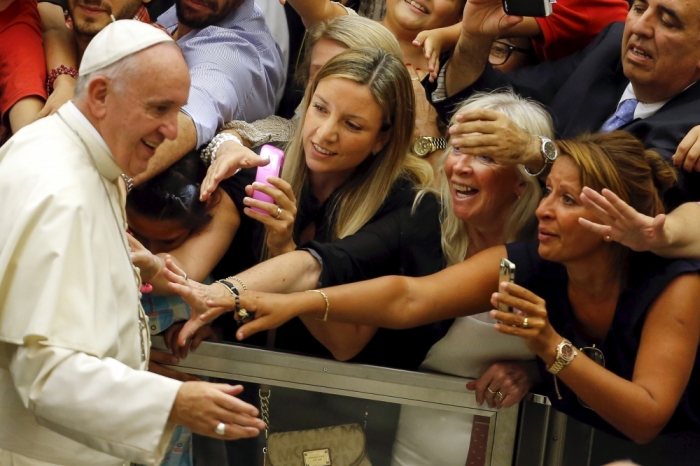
(235, 67)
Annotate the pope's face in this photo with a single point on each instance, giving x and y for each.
(91, 16)
(141, 111)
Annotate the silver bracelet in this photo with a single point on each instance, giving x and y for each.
(208, 154)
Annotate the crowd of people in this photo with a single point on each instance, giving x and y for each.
(425, 141)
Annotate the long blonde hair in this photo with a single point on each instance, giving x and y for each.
(532, 118)
(364, 192)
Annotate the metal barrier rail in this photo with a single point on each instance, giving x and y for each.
(435, 391)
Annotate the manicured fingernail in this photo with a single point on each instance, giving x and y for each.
(417, 69)
(408, 64)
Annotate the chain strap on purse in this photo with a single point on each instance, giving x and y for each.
(342, 445)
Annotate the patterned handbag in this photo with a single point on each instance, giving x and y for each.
(328, 446)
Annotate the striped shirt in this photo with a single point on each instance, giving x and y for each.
(235, 67)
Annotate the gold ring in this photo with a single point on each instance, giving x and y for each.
(499, 396)
(279, 212)
(491, 391)
(525, 323)
(185, 275)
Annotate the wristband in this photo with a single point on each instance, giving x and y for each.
(56, 72)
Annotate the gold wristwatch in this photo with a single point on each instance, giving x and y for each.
(425, 145)
(566, 352)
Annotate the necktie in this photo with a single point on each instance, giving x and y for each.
(623, 115)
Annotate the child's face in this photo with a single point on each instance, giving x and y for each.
(158, 236)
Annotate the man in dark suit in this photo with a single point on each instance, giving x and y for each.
(638, 76)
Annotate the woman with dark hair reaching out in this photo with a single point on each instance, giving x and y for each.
(616, 332)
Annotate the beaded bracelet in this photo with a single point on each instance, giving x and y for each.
(208, 154)
(56, 72)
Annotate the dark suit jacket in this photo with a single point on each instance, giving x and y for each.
(582, 91)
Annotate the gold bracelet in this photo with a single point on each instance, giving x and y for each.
(245, 288)
(325, 298)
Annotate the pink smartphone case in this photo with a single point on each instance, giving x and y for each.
(273, 168)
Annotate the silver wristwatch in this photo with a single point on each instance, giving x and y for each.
(549, 153)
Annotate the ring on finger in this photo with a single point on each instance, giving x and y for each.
(415, 79)
(525, 323)
(493, 392)
(499, 396)
(279, 212)
(185, 275)
(220, 429)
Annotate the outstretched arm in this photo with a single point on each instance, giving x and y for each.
(483, 21)
(59, 49)
(391, 302)
(313, 12)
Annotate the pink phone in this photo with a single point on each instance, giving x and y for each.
(273, 168)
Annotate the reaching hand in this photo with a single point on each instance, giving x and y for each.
(172, 335)
(487, 18)
(511, 379)
(229, 158)
(158, 358)
(195, 294)
(270, 310)
(148, 263)
(687, 154)
(201, 406)
(622, 223)
(489, 133)
(431, 41)
(62, 93)
(279, 227)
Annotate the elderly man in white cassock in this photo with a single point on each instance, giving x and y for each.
(73, 339)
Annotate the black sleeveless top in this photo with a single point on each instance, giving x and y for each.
(647, 276)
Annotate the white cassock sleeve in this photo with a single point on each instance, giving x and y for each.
(100, 403)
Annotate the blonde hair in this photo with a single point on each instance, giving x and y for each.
(351, 32)
(369, 184)
(531, 117)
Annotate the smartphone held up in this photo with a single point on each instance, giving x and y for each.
(273, 168)
(527, 7)
(507, 274)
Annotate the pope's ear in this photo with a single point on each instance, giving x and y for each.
(97, 92)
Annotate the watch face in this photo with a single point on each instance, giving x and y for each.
(567, 352)
(422, 147)
(549, 150)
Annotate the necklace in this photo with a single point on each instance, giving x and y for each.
(125, 245)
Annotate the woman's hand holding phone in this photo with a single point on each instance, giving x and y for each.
(279, 227)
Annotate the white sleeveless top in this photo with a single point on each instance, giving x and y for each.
(426, 437)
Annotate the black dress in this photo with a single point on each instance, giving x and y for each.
(396, 241)
(647, 277)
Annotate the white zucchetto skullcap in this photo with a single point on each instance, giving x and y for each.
(119, 40)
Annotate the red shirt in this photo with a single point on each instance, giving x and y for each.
(574, 24)
(22, 64)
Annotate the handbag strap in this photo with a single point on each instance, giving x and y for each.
(265, 391)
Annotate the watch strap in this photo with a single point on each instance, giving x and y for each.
(560, 362)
